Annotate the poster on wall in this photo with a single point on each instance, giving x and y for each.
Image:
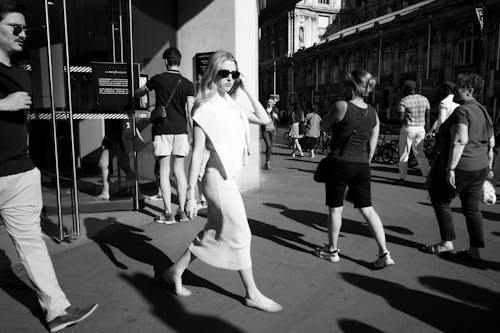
(201, 61)
(111, 81)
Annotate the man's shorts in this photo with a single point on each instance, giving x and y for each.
(170, 144)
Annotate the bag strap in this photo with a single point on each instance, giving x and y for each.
(354, 131)
(173, 93)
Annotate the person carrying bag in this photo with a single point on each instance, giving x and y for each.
(160, 111)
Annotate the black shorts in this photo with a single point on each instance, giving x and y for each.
(354, 175)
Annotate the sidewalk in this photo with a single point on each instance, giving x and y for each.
(114, 266)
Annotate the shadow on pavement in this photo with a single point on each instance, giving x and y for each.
(399, 230)
(355, 326)
(16, 288)
(487, 215)
(170, 311)
(463, 291)
(391, 181)
(302, 159)
(109, 234)
(280, 236)
(439, 312)
(303, 170)
(318, 220)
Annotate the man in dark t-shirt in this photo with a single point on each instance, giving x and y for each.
(170, 139)
(20, 186)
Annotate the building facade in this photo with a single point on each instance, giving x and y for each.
(427, 41)
(285, 28)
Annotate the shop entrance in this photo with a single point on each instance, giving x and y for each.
(83, 124)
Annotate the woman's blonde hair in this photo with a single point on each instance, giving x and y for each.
(208, 87)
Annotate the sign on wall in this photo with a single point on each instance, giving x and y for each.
(201, 61)
(112, 85)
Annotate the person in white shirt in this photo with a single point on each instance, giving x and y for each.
(446, 106)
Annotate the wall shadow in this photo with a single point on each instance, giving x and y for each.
(392, 181)
(439, 312)
(166, 307)
(110, 236)
(16, 288)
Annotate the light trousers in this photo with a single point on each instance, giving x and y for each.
(412, 137)
(20, 207)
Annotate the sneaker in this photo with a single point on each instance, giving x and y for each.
(182, 216)
(326, 253)
(267, 166)
(156, 197)
(72, 317)
(167, 218)
(384, 260)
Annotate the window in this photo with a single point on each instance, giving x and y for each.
(324, 2)
(436, 50)
(387, 59)
(323, 22)
(334, 70)
(466, 44)
(349, 64)
(409, 56)
(404, 4)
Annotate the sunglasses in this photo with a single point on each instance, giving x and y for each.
(223, 73)
(18, 28)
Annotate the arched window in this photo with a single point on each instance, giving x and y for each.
(409, 56)
(467, 41)
(436, 49)
(387, 59)
(349, 64)
(334, 70)
(364, 60)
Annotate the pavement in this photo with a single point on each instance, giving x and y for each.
(115, 260)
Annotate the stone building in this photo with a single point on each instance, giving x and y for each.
(428, 41)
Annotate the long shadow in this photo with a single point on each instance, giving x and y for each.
(302, 159)
(391, 181)
(411, 170)
(399, 230)
(170, 311)
(303, 170)
(466, 292)
(487, 215)
(355, 326)
(109, 233)
(441, 313)
(318, 220)
(280, 236)
(18, 289)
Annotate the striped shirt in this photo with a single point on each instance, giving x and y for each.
(414, 107)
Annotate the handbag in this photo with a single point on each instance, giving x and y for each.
(488, 195)
(160, 111)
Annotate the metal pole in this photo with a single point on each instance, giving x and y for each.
(317, 73)
(497, 67)
(76, 212)
(113, 40)
(379, 65)
(293, 73)
(274, 77)
(54, 124)
(120, 19)
(132, 106)
(428, 50)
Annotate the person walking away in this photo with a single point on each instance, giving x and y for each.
(446, 106)
(222, 127)
(20, 184)
(464, 159)
(312, 131)
(170, 138)
(297, 116)
(355, 128)
(414, 109)
(269, 130)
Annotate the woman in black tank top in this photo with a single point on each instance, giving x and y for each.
(355, 128)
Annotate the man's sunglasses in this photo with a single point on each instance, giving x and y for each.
(223, 73)
(18, 28)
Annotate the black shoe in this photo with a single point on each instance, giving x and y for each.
(72, 317)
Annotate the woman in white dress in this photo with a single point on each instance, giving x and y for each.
(221, 126)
